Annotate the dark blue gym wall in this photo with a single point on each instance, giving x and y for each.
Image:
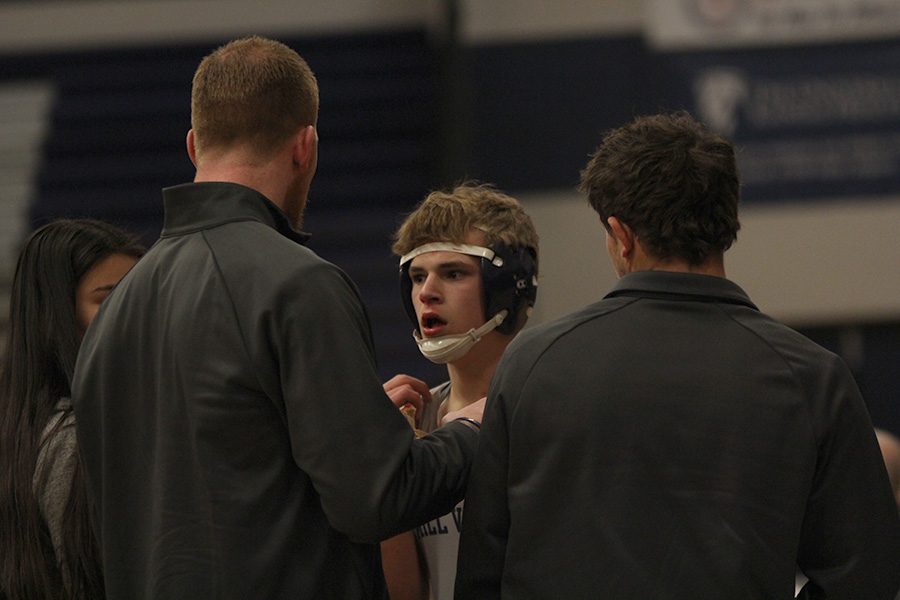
(118, 136)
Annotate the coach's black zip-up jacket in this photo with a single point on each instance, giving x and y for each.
(237, 439)
(672, 442)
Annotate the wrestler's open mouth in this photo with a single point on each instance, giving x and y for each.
(433, 321)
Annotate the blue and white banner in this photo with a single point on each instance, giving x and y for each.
(673, 24)
(808, 122)
(821, 130)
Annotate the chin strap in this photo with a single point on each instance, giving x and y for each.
(448, 348)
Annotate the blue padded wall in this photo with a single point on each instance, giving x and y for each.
(118, 131)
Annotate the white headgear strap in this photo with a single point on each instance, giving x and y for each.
(447, 348)
(469, 249)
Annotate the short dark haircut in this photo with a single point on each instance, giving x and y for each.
(672, 181)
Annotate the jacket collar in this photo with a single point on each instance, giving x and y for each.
(680, 286)
(192, 207)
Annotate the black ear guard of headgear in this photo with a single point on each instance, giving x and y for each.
(511, 285)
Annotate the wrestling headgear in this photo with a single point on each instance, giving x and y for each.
(510, 286)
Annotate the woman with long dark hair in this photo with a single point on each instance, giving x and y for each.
(47, 546)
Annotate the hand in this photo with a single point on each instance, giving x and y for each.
(473, 411)
(405, 389)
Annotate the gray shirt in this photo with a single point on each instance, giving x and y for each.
(54, 470)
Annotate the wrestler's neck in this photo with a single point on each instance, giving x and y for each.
(470, 376)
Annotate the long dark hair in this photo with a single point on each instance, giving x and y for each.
(41, 349)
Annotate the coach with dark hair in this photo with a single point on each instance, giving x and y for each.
(671, 441)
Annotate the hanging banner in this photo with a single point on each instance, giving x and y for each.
(808, 122)
(682, 24)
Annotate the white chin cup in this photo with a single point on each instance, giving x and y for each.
(448, 348)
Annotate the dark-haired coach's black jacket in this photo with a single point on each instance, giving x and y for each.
(672, 442)
(237, 439)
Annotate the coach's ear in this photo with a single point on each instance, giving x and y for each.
(623, 235)
(191, 149)
(305, 148)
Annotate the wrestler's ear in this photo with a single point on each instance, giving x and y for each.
(191, 148)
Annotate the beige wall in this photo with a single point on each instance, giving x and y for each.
(806, 264)
(93, 23)
(492, 21)
(97, 23)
